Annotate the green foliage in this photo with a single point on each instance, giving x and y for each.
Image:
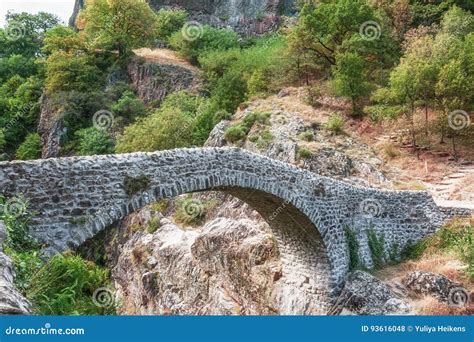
(19, 105)
(456, 236)
(304, 153)
(208, 39)
(118, 24)
(3, 141)
(153, 225)
(129, 106)
(235, 133)
(67, 72)
(169, 21)
(376, 244)
(237, 74)
(30, 148)
(93, 141)
(264, 139)
(350, 79)
(18, 239)
(182, 120)
(335, 123)
(33, 28)
(240, 131)
(62, 38)
(65, 286)
(353, 247)
(307, 136)
(134, 185)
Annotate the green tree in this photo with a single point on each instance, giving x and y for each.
(173, 125)
(350, 79)
(93, 141)
(129, 106)
(28, 31)
(169, 21)
(30, 148)
(118, 24)
(66, 72)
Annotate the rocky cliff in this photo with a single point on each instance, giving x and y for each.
(248, 17)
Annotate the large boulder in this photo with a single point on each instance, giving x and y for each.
(363, 294)
(431, 284)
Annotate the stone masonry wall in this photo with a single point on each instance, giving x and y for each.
(72, 199)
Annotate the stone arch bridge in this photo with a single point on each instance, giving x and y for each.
(72, 199)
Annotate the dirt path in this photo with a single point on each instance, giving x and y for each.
(164, 56)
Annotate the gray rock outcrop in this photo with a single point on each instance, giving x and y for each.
(249, 17)
(363, 294)
(11, 301)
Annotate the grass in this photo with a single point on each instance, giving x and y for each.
(307, 136)
(62, 286)
(335, 124)
(390, 151)
(304, 153)
(240, 131)
(455, 238)
(66, 285)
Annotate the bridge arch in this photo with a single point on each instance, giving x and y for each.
(75, 198)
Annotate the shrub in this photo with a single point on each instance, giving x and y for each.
(353, 247)
(235, 133)
(264, 139)
(65, 286)
(30, 148)
(376, 245)
(209, 39)
(93, 141)
(153, 225)
(191, 211)
(66, 72)
(241, 130)
(169, 21)
(307, 136)
(236, 74)
(129, 106)
(183, 120)
(335, 124)
(304, 153)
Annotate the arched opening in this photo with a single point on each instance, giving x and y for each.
(304, 286)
